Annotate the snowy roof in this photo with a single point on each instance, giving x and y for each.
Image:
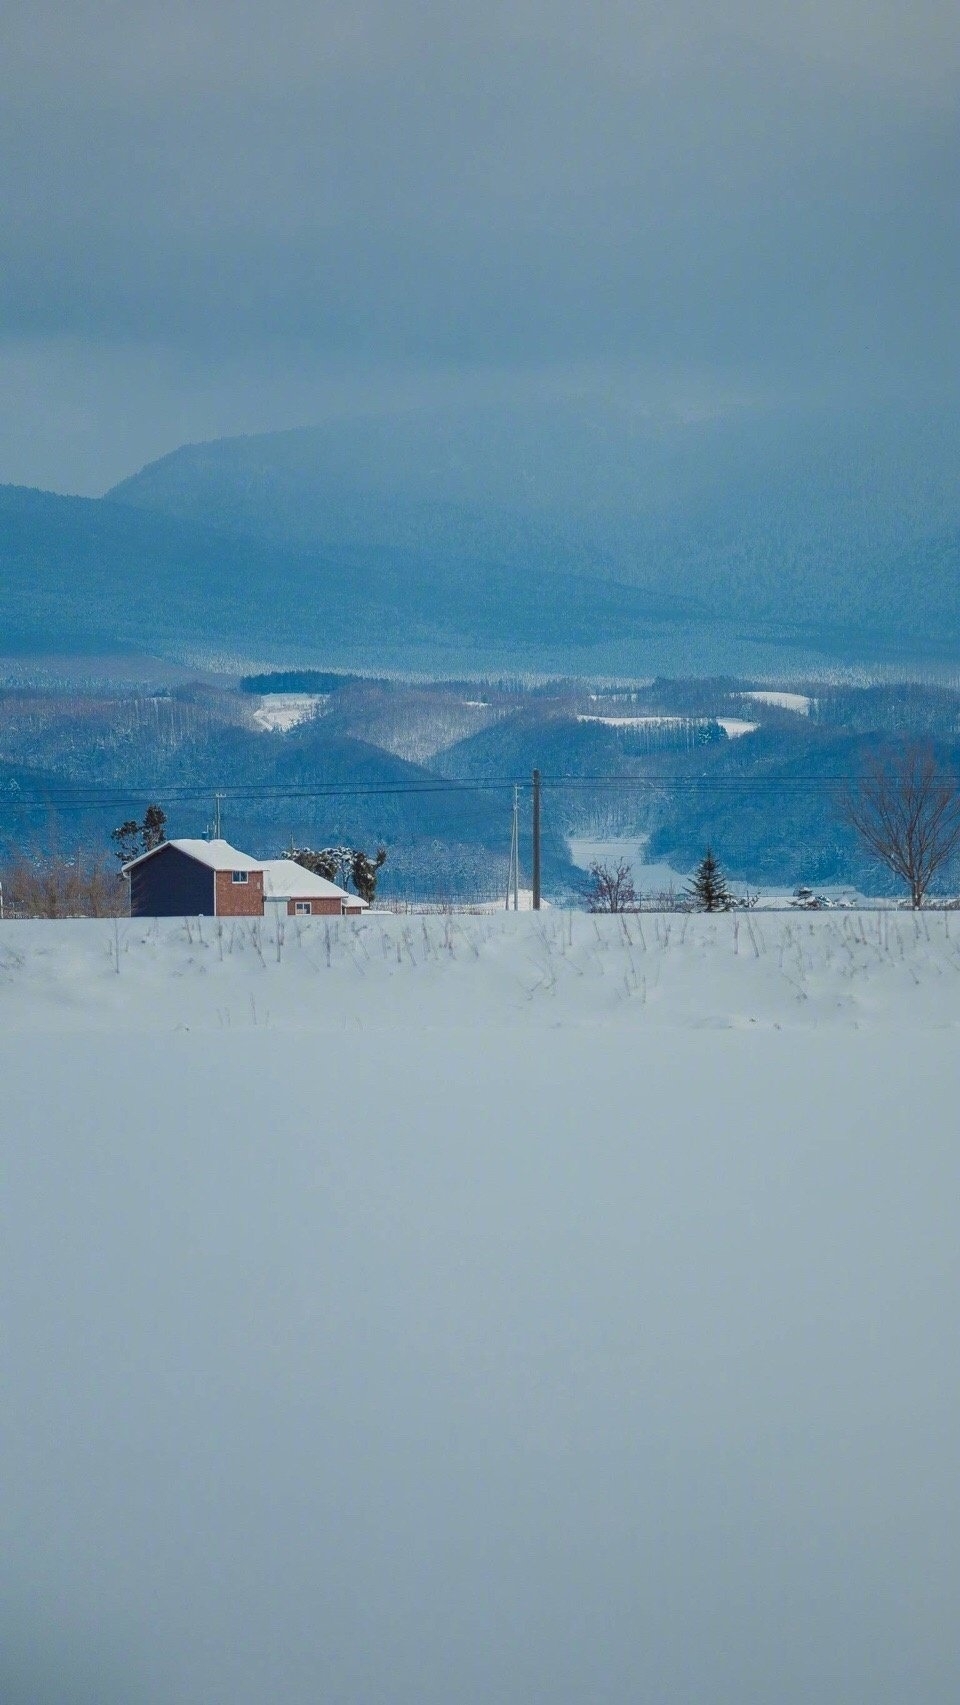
(284, 879)
(217, 855)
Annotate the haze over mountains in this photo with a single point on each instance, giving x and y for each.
(563, 534)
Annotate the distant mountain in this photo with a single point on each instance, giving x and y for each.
(94, 574)
(82, 573)
(564, 539)
(824, 528)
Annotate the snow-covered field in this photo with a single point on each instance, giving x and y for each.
(509, 1308)
(277, 713)
(649, 878)
(799, 702)
(500, 970)
(734, 727)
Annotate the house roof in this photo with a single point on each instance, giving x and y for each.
(284, 879)
(217, 855)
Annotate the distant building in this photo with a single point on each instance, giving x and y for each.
(209, 879)
(212, 879)
(296, 892)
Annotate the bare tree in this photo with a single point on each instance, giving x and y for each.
(611, 888)
(63, 888)
(907, 814)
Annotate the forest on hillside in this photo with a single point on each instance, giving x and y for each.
(428, 770)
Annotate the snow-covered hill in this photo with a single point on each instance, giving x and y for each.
(470, 1309)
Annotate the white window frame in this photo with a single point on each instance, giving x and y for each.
(303, 908)
(240, 875)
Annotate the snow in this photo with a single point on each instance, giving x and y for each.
(386, 972)
(734, 726)
(472, 909)
(798, 702)
(452, 1308)
(655, 877)
(277, 713)
(524, 903)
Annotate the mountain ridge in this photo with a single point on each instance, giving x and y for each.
(789, 524)
(90, 573)
(587, 540)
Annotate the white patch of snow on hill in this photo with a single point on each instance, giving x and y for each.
(653, 878)
(734, 726)
(277, 713)
(798, 702)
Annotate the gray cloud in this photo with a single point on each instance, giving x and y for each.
(766, 192)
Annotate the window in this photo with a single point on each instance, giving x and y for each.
(240, 876)
(303, 908)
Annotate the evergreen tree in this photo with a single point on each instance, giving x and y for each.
(343, 865)
(708, 889)
(364, 872)
(153, 830)
(127, 838)
(332, 863)
(133, 838)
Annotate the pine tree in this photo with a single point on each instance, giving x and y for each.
(708, 890)
(364, 872)
(332, 863)
(127, 838)
(343, 865)
(133, 838)
(153, 830)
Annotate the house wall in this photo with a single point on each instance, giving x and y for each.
(323, 908)
(171, 885)
(239, 899)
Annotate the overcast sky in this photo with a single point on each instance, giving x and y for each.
(224, 216)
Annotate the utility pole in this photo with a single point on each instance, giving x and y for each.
(513, 873)
(516, 849)
(217, 825)
(536, 840)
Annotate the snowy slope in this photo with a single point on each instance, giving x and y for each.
(484, 1315)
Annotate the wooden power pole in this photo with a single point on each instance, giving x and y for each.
(513, 875)
(536, 840)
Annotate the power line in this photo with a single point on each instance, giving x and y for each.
(90, 793)
(87, 797)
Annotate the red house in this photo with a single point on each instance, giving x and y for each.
(296, 892)
(209, 879)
